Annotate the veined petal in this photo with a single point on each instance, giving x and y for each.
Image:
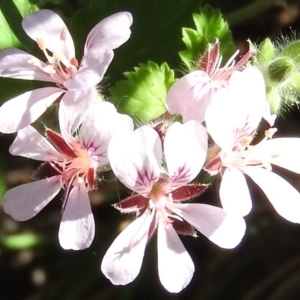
(31, 144)
(239, 108)
(23, 110)
(73, 109)
(77, 227)
(47, 27)
(136, 157)
(190, 96)
(224, 230)
(185, 148)
(25, 201)
(92, 69)
(15, 63)
(175, 266)
(97, 129)
(122, 262)
(110, 33)
(283, 152)
(283, 196)
(234, 193)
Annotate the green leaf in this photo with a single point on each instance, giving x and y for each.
(209, 26)
(143, 94)
(11, 15)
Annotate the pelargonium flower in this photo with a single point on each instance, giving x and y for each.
(75, 81)
(232, 120)
(73, 161)
(192, 93)
(157, 204)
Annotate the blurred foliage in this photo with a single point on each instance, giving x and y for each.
(33, 266)
(12, 33)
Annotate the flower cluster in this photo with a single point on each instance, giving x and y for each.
(221, 109)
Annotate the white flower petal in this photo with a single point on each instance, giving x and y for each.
(283, 152)
(25, 201)
(15, 63)
(239, 108)
(23, 110)
(30, 143)
(175, 266)
(136, 158)
(234, 193)
(123, 260)
(185, 148)
(73, 109)
(224, 230)
(191, 95)
(47, 27)
(91, 71)
(77, 227)
(283, 196)
(110, 33)
(102, 122)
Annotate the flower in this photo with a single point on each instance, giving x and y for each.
(157, 204)
(75, 82)
(74, 161)
(192, 93)
(232, 120)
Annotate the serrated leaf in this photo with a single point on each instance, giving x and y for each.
(11, 31)
(143, 94)
(210, 26)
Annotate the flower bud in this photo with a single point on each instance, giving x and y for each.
(280, 65)
(280, 69)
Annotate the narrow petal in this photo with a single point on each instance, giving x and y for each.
(234, 193)
(110, 33)
(123, 260)
(92, 69)
(283, 152)
(185, 148)
(175, 266)
(25, 201)
(101, 124)
(23, 110)
(15, 63)
(73, 109)
(136, 157)
(134, 203)
(30, 143)
(283, 196)
(188, 191)
(190, 96)
(224, 230)
(77, 227)
(47, 27)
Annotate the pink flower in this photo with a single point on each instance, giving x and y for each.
(232, 120)
(74, 81)
(157, 204)
(73, 161)
(191, 94)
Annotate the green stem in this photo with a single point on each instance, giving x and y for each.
(252, 10)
